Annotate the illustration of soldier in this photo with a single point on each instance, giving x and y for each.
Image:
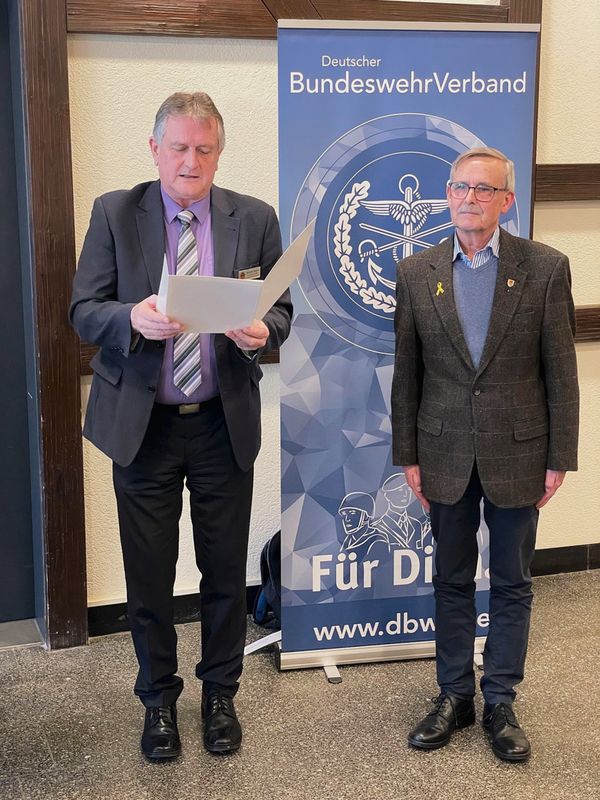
(359, 535)
(399, 527)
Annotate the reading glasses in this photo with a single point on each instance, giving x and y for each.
(483, 192)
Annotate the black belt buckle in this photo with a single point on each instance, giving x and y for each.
(189, 408)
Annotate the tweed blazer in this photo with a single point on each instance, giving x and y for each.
(515, 415)
(121, 264)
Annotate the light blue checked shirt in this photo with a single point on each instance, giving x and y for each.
(492, 249)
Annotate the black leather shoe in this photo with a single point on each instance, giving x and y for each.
(448, 714)
(161, 737)
(506, 736)
(222, 729)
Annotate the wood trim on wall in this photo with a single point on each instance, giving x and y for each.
(292, 9)
(258, 18)
(567, 182)
(410, 12)
(523, 11)
(45, 97)
(588, 323)
(248, 19)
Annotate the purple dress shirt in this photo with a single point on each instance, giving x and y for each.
(201, 225)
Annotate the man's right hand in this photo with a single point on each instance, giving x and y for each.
(412, 474)
(145, 319)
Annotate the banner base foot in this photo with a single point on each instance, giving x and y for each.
(332, 674)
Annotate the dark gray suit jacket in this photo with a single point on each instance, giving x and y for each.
(120, 264)
(517, 413)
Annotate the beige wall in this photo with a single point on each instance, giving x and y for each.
(116, 83)
(569, 115)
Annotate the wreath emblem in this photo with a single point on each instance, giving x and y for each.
(353, 278)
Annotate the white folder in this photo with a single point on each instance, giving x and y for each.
(215, 305)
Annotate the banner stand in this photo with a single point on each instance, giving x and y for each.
(371, 117)
(330, 659)
(361, 655)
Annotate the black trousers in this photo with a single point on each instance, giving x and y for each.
(196, 449)
(512, 545)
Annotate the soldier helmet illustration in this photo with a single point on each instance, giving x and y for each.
(356, 502)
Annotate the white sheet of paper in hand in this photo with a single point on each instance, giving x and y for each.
(207, 304)
(215, 305)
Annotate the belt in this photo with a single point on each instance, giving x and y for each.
(188, 408)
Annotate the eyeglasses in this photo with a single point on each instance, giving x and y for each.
(483, 192)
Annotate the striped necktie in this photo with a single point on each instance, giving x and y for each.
(187, 372)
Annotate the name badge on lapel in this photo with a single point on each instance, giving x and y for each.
(248, 273)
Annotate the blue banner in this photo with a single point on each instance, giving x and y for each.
(370, 122)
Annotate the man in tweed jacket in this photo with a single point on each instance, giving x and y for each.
(484, 406)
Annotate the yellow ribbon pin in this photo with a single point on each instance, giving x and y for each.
(440, 289)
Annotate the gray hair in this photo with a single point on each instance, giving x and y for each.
(488, 152)
(188, 104)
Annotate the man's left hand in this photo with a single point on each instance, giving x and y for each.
(253, 337)
(554, 479)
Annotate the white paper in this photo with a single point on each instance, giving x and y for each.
(284, 272)
(215, 305)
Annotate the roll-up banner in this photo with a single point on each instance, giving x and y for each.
(371, 116)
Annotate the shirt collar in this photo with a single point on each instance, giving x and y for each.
(493, 245)
(200, 209)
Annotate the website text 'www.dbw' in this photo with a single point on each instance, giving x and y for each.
(401, 624)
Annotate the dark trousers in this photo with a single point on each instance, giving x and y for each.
(194, 448)
(512, 544)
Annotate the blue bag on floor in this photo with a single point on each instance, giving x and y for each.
(267, 606)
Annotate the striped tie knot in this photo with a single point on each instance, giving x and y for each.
(185, 217)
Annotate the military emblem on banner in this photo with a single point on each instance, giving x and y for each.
(378, 193)
(369, 253)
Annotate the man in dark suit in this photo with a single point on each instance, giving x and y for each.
(167, 406)
(484, 407)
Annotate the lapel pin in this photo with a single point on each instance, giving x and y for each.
(510, 283)
(440, 288)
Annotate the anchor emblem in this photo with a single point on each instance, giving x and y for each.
(359, 265)
(412, 211)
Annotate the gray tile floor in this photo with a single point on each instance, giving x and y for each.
(70, 726)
